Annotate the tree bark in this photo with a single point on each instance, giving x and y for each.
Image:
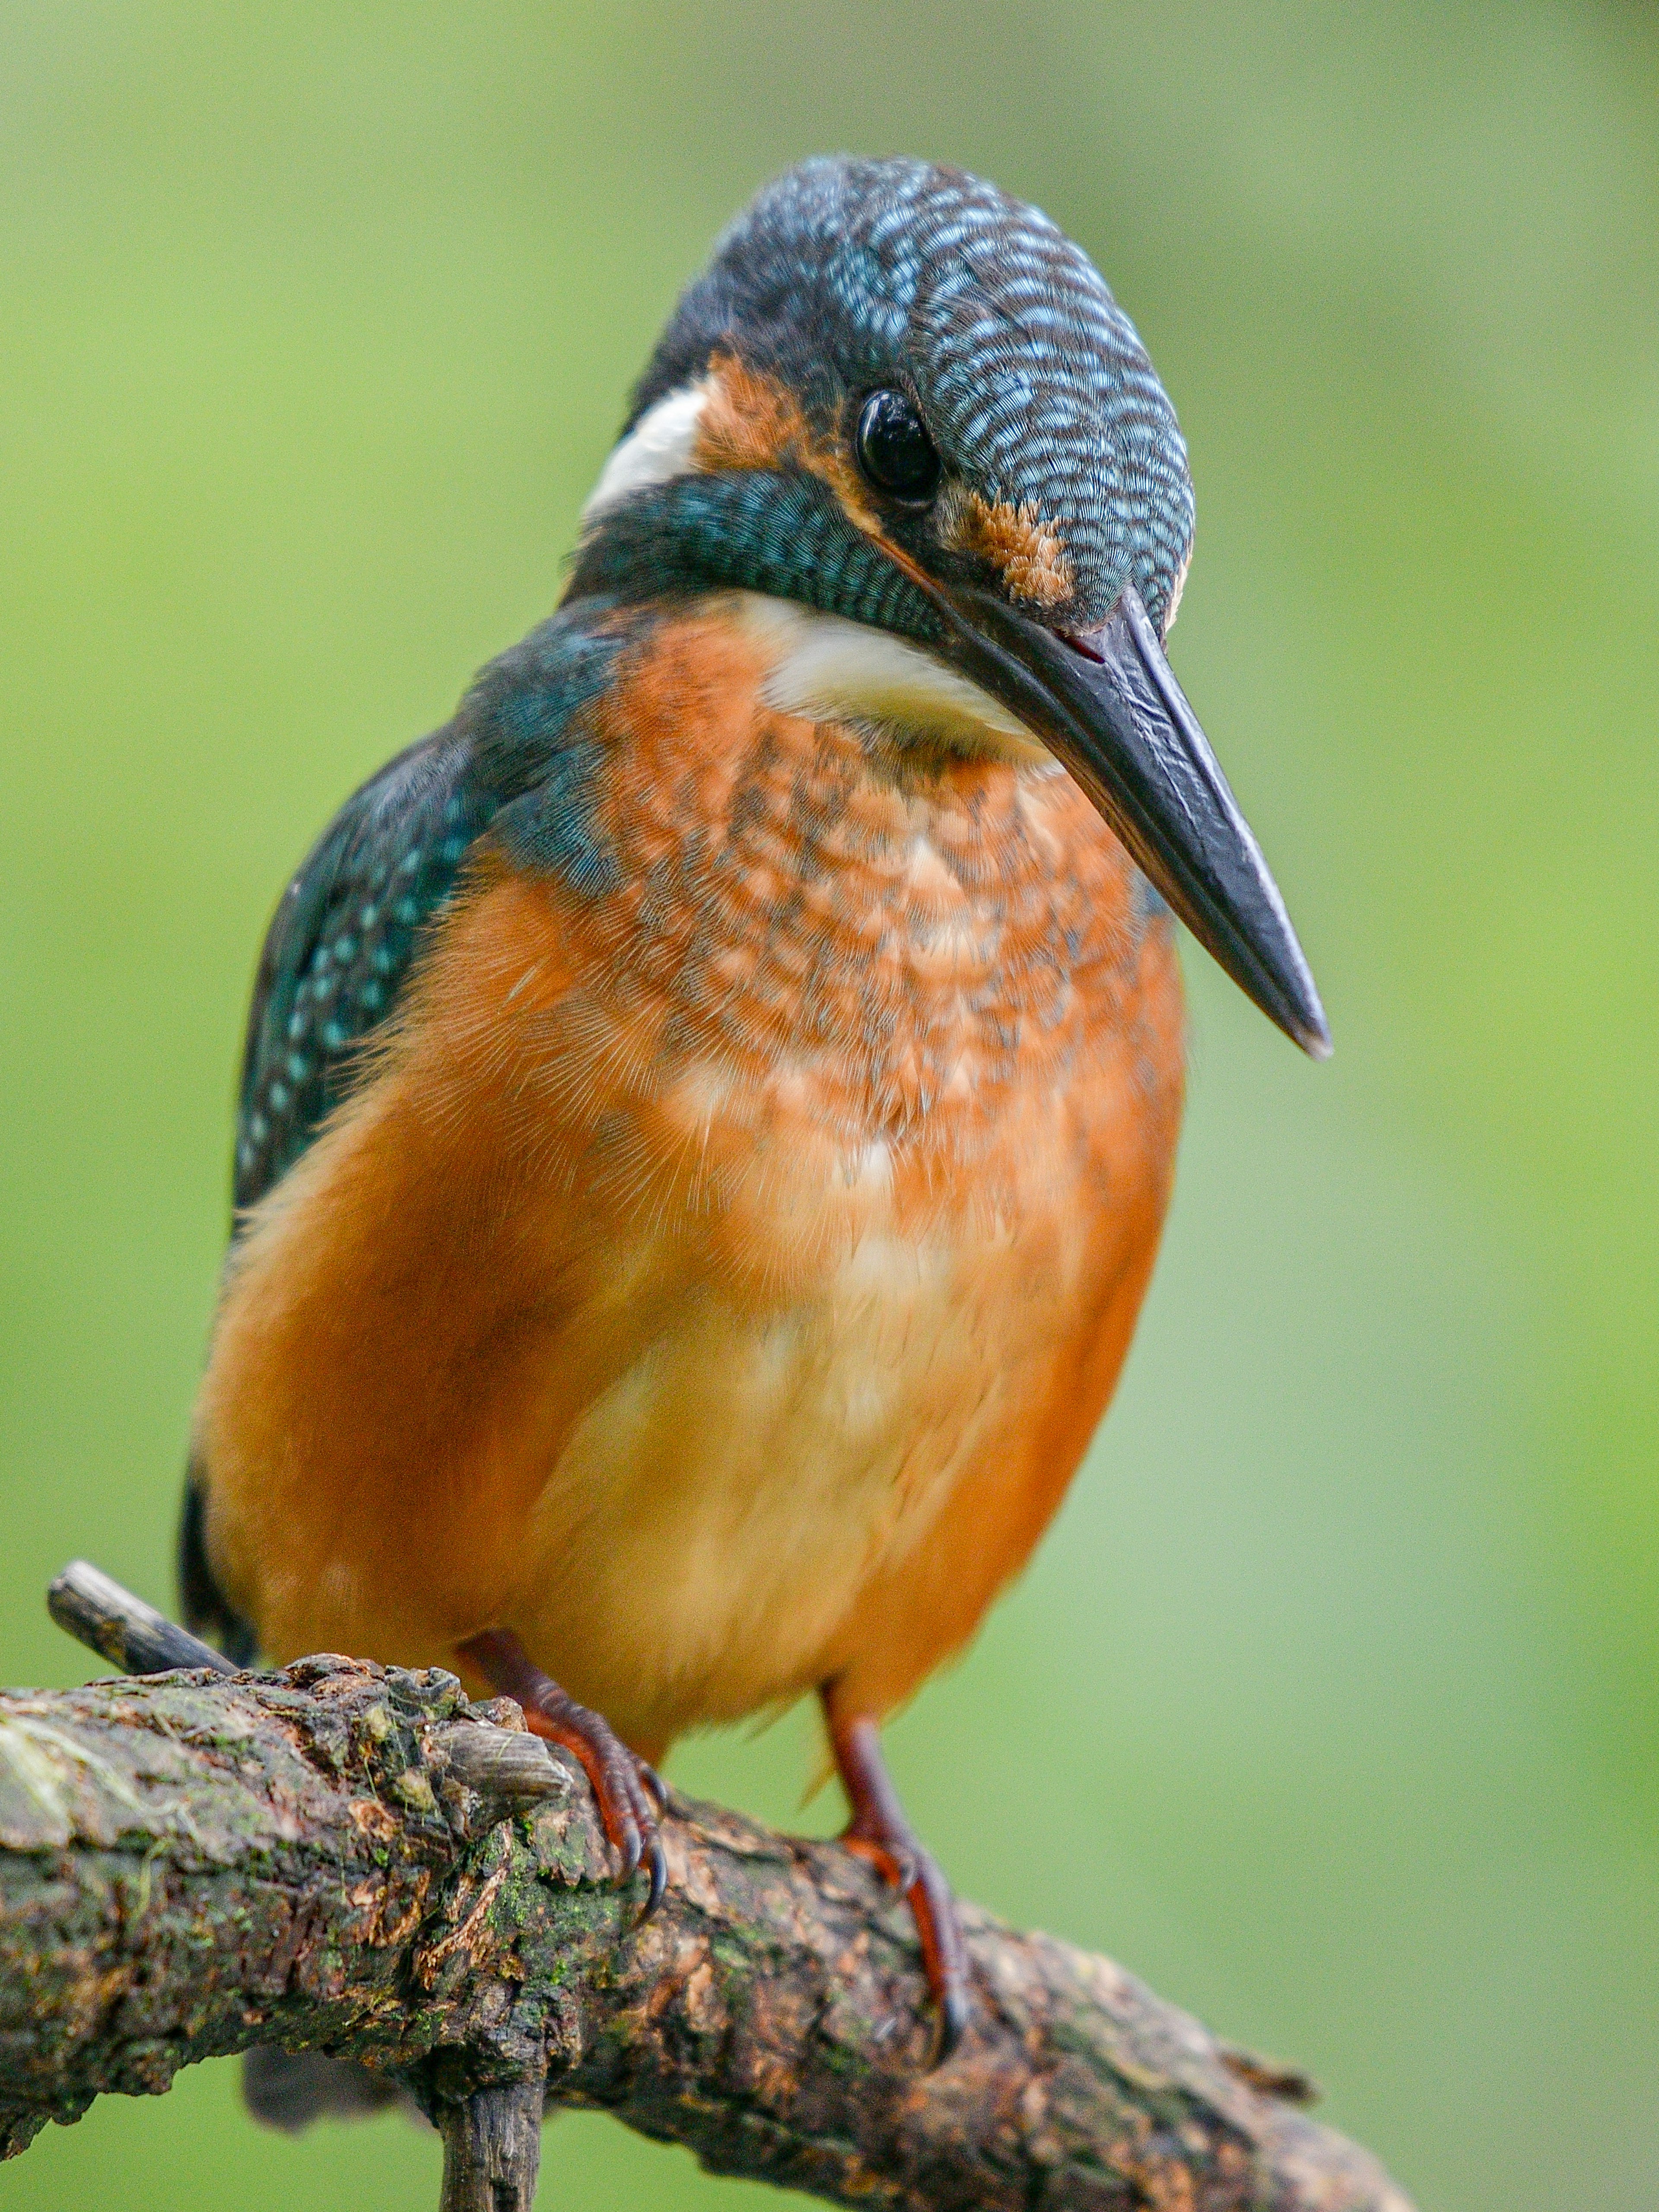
(351, 1859)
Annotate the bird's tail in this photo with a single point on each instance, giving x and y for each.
(290, 2089)
(205, 1608)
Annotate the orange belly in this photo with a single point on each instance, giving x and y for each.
(717, 1281)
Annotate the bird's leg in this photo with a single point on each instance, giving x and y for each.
(630, 1795)
(879, 1831)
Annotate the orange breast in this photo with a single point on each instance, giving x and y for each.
(716, 1280)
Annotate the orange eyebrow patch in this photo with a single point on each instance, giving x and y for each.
(1027, 552)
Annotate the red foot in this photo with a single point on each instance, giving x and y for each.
(880, 1832)
(630, 1793)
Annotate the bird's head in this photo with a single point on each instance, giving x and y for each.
(903, 415)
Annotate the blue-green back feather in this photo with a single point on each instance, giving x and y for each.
(342, 942)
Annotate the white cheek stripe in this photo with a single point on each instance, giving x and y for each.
(658, 448)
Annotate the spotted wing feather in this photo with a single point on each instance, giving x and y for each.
(342, 943)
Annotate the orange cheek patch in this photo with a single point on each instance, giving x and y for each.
(1027, 552)
(750, 421)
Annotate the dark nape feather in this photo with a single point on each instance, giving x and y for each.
(205, 1609)
(290, 2089)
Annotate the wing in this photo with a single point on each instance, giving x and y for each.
(338, 949)
(342, 942)
(347, 932)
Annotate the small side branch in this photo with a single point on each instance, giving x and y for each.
(351, 1859)
(492, 2148)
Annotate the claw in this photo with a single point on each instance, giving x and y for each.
(944, 1953)
(629, 1793)
(659, 1862)
(952, 2022)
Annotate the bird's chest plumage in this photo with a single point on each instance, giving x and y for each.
(727, 1222)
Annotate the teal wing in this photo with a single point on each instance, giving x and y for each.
(342, 943)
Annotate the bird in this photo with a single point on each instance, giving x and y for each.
(708, 1110)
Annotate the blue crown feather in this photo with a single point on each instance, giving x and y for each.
(846, 275)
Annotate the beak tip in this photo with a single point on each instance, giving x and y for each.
(1308, 1028)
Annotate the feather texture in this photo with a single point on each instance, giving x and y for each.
(724, 1232)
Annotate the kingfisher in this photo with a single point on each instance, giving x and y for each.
(708, 1111)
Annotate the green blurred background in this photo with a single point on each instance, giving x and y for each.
(1333, 1701)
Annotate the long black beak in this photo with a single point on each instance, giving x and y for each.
(1109, 706)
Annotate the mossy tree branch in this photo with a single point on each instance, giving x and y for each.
(348, 1858)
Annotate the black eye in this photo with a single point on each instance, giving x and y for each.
(894, 449)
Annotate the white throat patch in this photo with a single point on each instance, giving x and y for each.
(836, 671)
